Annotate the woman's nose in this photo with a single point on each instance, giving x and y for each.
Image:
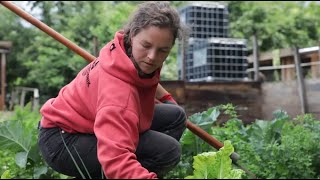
(152, 55)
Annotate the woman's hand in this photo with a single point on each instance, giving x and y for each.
(164, 96)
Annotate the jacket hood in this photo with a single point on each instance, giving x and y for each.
(115, 62)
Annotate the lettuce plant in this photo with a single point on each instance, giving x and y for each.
(215, 165)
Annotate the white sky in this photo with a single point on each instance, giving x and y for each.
(27, 8)
(24, 5)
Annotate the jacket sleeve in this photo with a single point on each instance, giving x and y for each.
(117, 132)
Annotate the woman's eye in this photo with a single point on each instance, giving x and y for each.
(164, 50)
(146, 46)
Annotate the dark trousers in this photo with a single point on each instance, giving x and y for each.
(158, 149)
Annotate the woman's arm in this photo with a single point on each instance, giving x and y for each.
(161, 91)
(163, 95)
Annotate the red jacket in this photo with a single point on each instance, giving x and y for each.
(109, 99)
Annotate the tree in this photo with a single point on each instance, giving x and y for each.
(253, 22)
(312, 12)
(272, 19)
(21, 37)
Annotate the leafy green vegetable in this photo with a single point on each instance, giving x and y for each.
(215, 165)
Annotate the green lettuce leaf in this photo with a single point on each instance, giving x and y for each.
(215, 165)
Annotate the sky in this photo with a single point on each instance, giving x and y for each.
(27, 8)
(24, 5)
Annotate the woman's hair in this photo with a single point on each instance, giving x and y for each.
(154, 13)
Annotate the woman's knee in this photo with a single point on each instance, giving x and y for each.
(181, 116)
(173, 151)
(177, 122)
(156, 149)
(169, 159)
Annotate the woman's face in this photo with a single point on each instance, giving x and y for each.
(150, 47)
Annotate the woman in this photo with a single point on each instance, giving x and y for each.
(106, 119)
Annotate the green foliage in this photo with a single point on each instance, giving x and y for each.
(192, 144)
(19, 155)
(283, 147)
(5, 175)
(18, 141)
(205, 120)
(278, 24)
(21, 37)
(215, 165)
(280, 148)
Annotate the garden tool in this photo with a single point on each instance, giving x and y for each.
(87, 56)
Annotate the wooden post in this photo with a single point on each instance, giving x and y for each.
(318, 69)
(36, 96)
(3, 81)
(300, 80)
(319, 50)
(255, 57)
